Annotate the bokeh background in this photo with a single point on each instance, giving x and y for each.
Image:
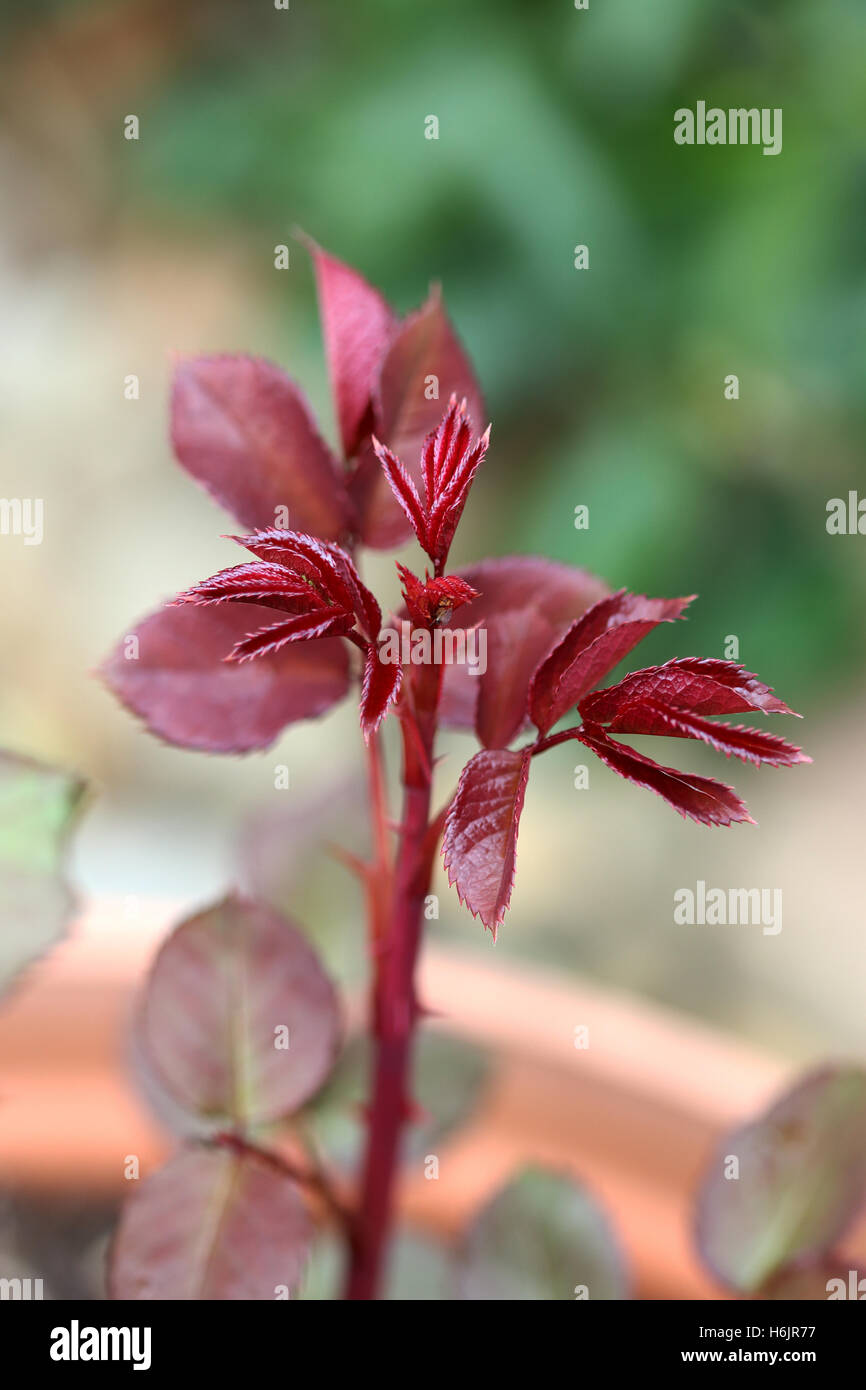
(605, 387)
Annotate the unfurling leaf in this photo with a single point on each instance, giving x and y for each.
(800, 1181)
(37, 809)
(424, 366)
(542, 1238)
(593, 645)
(243, 429)
(295, 573)
(380, 686)
(314, 581)
(430, 602)
(172, 672)
(239, 1021)
(480, 844)
(211, 1225)
(450, 457)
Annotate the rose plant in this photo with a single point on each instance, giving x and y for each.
(284, 636)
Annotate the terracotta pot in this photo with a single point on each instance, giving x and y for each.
(634, 1114)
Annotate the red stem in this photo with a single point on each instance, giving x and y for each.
(378, 808)
(541, 745)
(394, 1004)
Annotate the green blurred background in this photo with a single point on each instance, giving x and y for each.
(605, 387)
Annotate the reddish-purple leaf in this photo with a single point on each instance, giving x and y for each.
(444, 450)
(687, 683)
(238, 1021)
(306, 557)
(314, 581)
(172, 672)
(257, 583)
(800, 1181)
(480, 845)
(592, 646)
(432, 601)
(364, 603)
(325, 568)
(450, 457)
(750, 745)
(305, 627)
(513, 641)
(404, 490)
(424, 346)
(701, 798)
(244, 430)
(452, 486)
(381, 685)
(547, 597)
(357, 324)
(740, 682)
(211, 1226)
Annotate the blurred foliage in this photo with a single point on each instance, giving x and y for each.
(802, 1189)
(450, 1080)
(38, 805)
(606, 386)
(542, 1237)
